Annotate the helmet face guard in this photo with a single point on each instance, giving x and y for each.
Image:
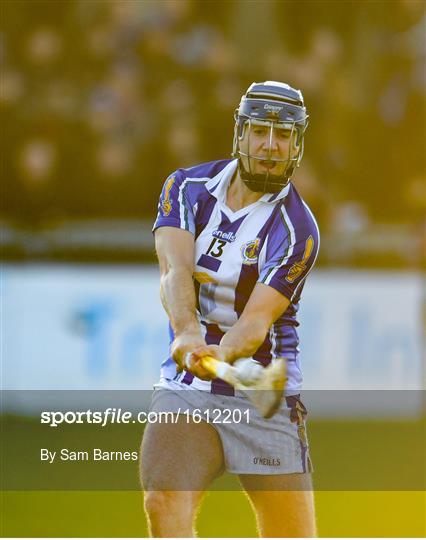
(275, 106)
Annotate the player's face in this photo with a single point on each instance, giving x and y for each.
(269, 146)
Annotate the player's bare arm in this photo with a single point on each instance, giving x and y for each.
(175, 251)
(263, 308)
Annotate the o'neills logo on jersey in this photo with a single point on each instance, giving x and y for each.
(166, 202)
(227, 236)
(250, 251)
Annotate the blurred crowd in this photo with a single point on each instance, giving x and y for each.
(100, 101)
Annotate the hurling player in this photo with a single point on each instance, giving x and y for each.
(235, 243)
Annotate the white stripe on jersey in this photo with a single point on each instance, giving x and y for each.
(262, 254)
(182, 205)
(290, 248)
(272, 334)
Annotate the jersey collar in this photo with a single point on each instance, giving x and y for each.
(218, 185)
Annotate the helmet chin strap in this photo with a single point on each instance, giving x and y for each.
(261, 183)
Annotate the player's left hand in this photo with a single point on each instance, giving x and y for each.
(209, 350)
(193, 361)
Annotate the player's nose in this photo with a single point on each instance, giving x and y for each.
(271, 142)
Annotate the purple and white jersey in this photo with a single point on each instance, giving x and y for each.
(273, 241)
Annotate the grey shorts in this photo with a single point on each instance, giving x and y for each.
(251, 444)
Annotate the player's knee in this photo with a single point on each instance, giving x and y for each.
(156, 503)
(160, 503)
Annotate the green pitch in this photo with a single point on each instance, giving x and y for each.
(119, 514)
(369, 478)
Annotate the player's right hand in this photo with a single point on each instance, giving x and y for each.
(182, 345)
(195, 366)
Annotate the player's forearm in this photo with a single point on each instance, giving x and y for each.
(178, 298)
(243, 339)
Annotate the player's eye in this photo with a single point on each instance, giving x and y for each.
(284, 133)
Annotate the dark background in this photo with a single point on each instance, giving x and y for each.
(101, 101)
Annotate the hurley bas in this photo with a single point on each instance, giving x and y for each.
(96, 454)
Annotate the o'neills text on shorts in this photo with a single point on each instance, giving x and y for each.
(269, 462)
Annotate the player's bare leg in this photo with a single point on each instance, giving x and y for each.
(178, 462)
(284, 504)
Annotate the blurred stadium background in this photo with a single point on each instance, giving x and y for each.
(99, 102)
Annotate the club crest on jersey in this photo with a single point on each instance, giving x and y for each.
(166, 203)
(250, 251)
(298, 268)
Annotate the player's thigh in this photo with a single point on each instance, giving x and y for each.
(270, 491)
(276, 482)
(181, 456)
(283, 503)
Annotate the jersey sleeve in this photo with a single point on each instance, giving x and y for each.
(174, 208)
(289, 261)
